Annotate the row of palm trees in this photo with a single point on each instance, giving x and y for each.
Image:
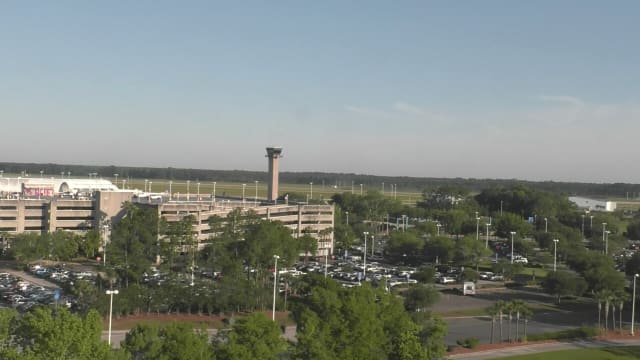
(502, 308)
(609, 300)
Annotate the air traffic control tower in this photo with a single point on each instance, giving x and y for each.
(274, 154)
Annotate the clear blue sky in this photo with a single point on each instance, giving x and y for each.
(538, 90)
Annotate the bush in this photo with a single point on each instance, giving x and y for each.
(582, 332)
(469, 343)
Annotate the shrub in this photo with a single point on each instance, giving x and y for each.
(469, 343)
(582, 332)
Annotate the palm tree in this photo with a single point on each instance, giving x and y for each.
(509, 307)
(599, 296)
(500, 305)
(608, 297)
(526, 313)
(622, 297)
(493, 311)
(518, 306)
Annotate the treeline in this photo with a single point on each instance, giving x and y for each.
(342, 180)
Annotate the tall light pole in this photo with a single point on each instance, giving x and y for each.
(170, 184)
(116, 175)
(347, 213)
(477, 227)
(633, 304)
(606, 242)
(364, 266)
(604, 226)
(214, 191)
(188, 194)
(591, 225)
(104, 246)
(582, 226)
(373, 245)
(438, 226)
(150, 182)
(145, 184)
(555, 252)
(486, 244)
(546, 227)
(360, 189)
(513, 233)
(198, 198)
(244, 186)
(275, 284)
(311, 190)
(111, 293)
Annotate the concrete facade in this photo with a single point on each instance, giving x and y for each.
(273, 154)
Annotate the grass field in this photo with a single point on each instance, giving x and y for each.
(611, 353)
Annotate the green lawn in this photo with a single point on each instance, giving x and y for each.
(611, 353)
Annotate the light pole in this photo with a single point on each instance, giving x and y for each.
(170, 184)
(582, 226)
(255, 200)
(438, 226)
(373, 245)
(116, 175)
(310, 190)
(244, 186)
(486, 244)
(364, 266)
(188, 194)
(150, 182)
(198, 198)
(604, 227)
(214, 191)
(591, 225)
(546, 228)
(555, 252)
(275, 284)
(513, 233)
(633, 304)
(606, 242)
(360, 189)
(111, 293)
(477, 227)
(104, 246)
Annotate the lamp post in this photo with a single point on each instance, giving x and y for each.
(111, 293)
(606, 242)
(546, 227)
(513, 233)
(310, 190)
(477, 227)
(214, 191)
(347, 213)
(116, 175)
(150, 182)
(486, 244)
(364, 266)
(604, 227)
(591, 225)
(170, 184)
(438, 226)
(105, 228)
(275, 284)
(555, 252)
(633, 304)
(373, 245)
(360, 189)
(244, 186)
(255, 200)
(188, 194)
(582, 229)
(198, 197)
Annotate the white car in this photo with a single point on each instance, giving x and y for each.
(446, 280)
(521, 260)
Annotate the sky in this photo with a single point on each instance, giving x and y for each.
(532, 90)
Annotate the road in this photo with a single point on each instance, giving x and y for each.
(540, 348)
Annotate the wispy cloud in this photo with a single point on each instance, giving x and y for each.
(403, 107)
(572, 100)
(365, 111)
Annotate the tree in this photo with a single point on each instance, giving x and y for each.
(176, 341)
(420, 297)
(254, 337)
(563, 283)
(494, 310)
(47, 333)
(440, 249)
(471, 251)
(509, 222)
(308, 245)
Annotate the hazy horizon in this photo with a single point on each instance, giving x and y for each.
(535, 91)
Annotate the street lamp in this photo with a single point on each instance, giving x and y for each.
(255, 200)
(105, 228)
(633, 304)
(604, 226)
(214, 191)
(513, 233)
(188, 194)
(170, 184)
(347, 213)
(546, 228)
(275, 284)
(116, 175)
(438, 226)
(591, 225)
(606, 242)
(198, 198)
(486, 245)
(582, 229)
(145, 184)
(244, 186)
(361, 189)
(477, 227)
(373, 245)
(364, 266)
(310, 190)
(111, 293)
(555, 248)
